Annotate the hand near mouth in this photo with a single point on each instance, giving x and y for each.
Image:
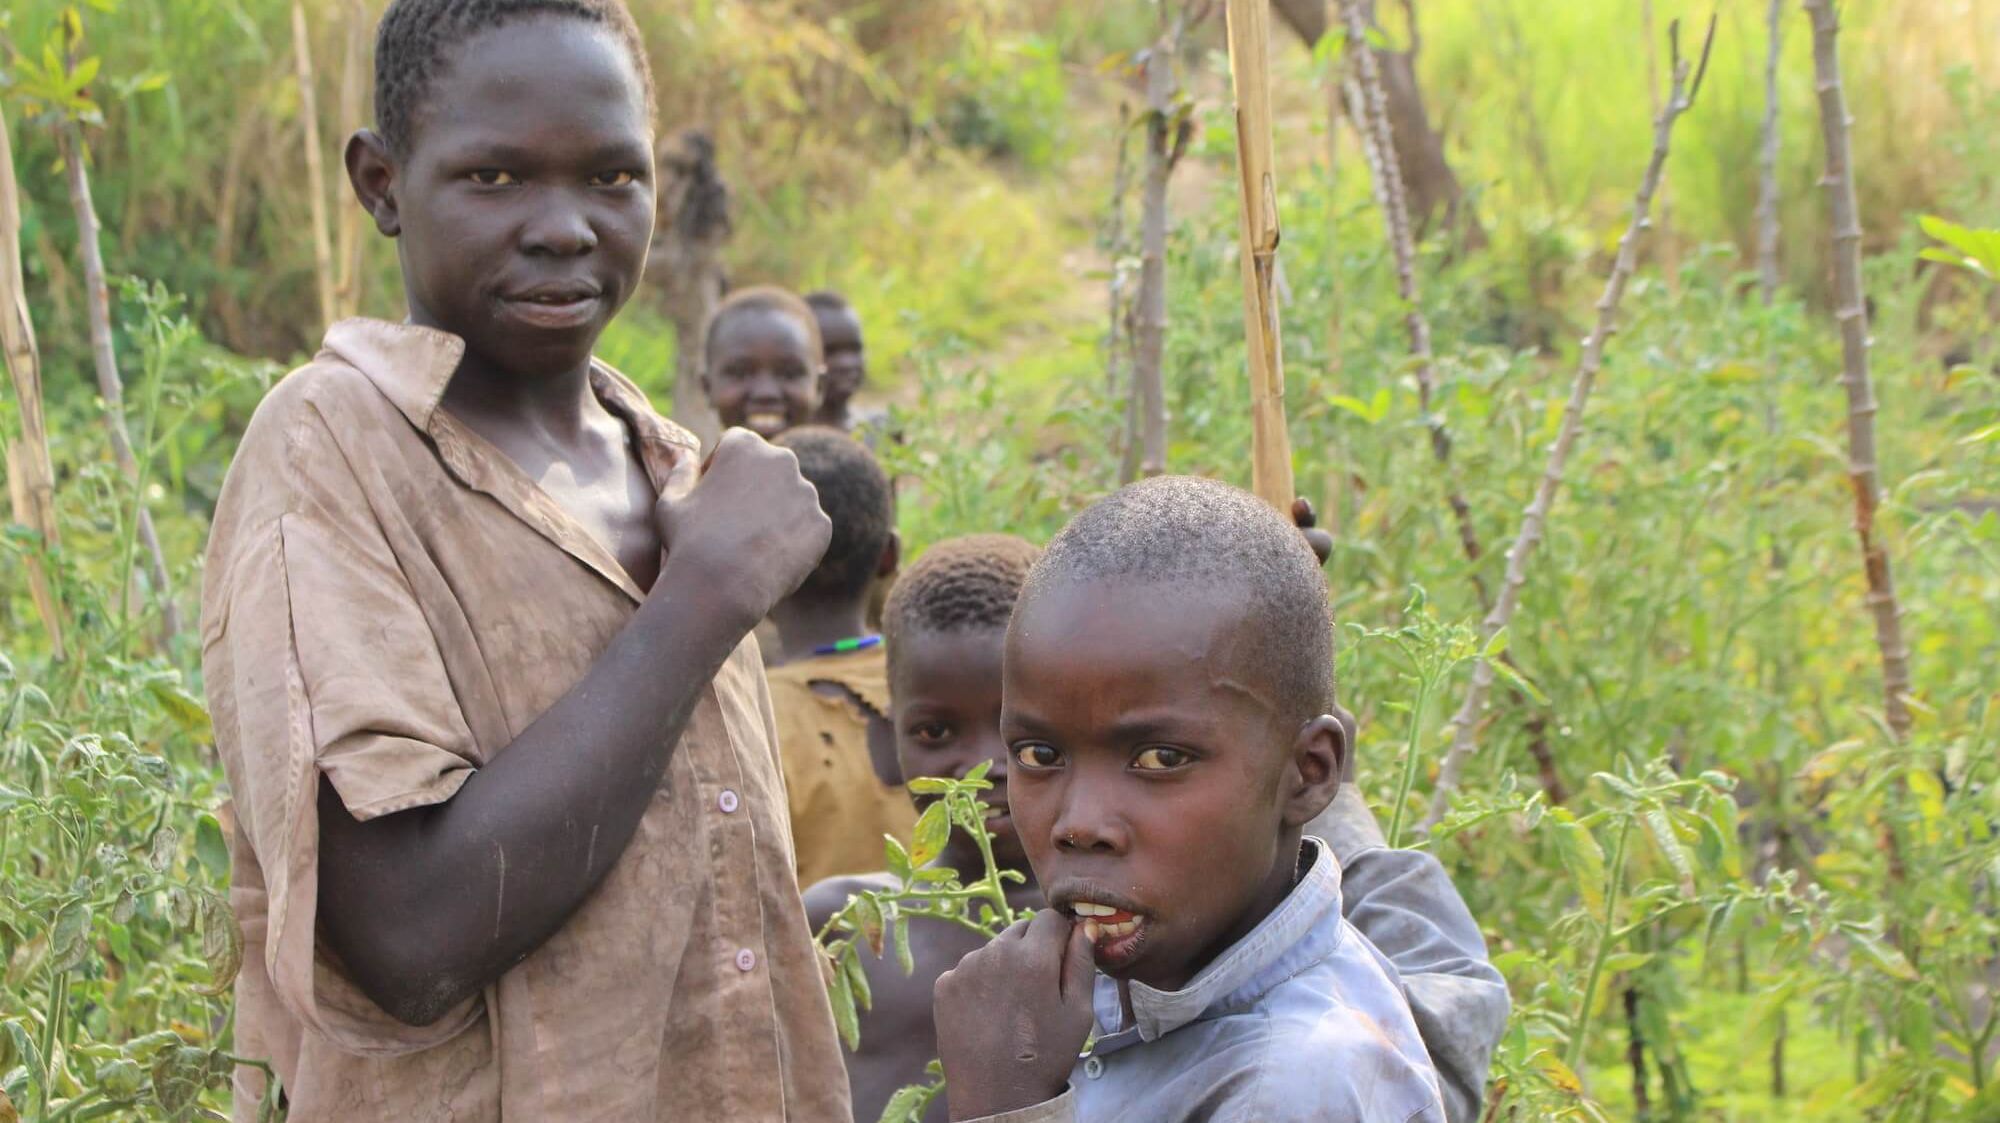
(1012, 1016)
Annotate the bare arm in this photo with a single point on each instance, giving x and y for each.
(426, 907)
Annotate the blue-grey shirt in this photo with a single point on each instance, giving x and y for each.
(1301, 1021)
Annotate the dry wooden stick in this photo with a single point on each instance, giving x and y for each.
(315, 168)
(1379, 147)
(1851, 309)
(347, 230)
(1686, 84)
(30, 474)
(1250, 77)
(1168, 129)
(1767, 161)
(69, 141)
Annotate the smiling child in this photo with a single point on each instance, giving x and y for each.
(512, 836)
(764, 361)
(946, 625)
(1169, 718)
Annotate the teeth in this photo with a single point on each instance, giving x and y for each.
(1114, 931)
(1092, 908)
(1092, 930)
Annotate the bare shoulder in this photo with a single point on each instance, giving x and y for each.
(824, 898)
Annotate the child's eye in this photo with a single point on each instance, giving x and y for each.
(931, 733)
(613, 179)
(493, 177)
(1037, 755)
(1161, 758)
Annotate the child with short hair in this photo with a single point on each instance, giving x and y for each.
(764, 362)
(830, 691)
(944, 628)
(846, 358)
(1163, 765)
(512, 838)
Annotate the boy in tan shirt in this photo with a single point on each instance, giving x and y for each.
(831, 690)
(512, 834)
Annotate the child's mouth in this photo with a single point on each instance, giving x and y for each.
(555, 308)
(764, 422)
(1116, 934)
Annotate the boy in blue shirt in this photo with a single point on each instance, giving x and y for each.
(1163, 766)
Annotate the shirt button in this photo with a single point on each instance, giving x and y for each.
(728, 802)
(746, 959)
(1093, 1067)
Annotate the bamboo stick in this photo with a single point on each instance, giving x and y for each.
(1379, 147)
(1851, 309)
(1250, 77)
(1166, 139)
(30, 473)
(1767, 160)
(347, 230)
(315, 168)
(104, 356)
(1686, 84)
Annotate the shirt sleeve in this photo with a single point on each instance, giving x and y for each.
(319, 661)
(1406, 905)
(1062, 1109)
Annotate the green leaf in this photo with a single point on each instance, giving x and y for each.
(866, 916)
(1661, 829)
(186, 711)
(928, 785)
(901, 937)
(857, 979)
(69, 937)
(9, 796)
(1516, 679)
(178, 1076)
(166, 841)
(1497, 646)
(896, 858)
(210, 848)
(977, 772)
(221, 945)
(120, 1078)
(1878, 951)
(928, 839)
(841, 992)
(1582, 857)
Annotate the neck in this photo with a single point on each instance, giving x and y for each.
(804, 624)
(833, 414)
(557, 402)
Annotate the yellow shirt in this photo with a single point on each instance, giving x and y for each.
(840, 807)
(389, 602)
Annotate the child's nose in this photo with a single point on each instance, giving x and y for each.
(559, 228)
(1088, 823)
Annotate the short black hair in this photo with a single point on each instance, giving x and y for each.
(827, 300)
(414, 40)
(958, 585)
(1188, 530)
(764, 298)
(854, 493)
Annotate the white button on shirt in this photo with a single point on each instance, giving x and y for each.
(727, 801)
(746, 960)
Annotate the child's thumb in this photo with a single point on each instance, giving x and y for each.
(1079, 970)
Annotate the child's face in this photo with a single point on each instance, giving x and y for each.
(524, 206)
(1151, 776)
(946, 694)
(846, 365)
(761, 373)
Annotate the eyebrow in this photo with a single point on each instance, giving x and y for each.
(507, 152)
(1140, 727)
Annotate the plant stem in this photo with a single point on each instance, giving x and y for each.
(1606, 937)
(1409, 777)
(156, 375)
(1767, 162)
(1465, 725)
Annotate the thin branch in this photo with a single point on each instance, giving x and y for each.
(1379, 147)
(315, 169)
(1767, 162)
(69, 141)
(1150, 313)
(347, 230)
(1686, 84)
(30, 474)
(1851, 309)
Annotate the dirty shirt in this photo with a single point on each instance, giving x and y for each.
(389, 602)
(1300, 1021)
(840, 808)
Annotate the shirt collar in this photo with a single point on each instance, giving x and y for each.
(1295, 936)
(410, 365)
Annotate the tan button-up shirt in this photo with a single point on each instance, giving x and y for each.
(388, 602)
(840, 807)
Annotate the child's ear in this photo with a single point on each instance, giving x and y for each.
(1319, 759)
(892, 556)
(372, 172)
